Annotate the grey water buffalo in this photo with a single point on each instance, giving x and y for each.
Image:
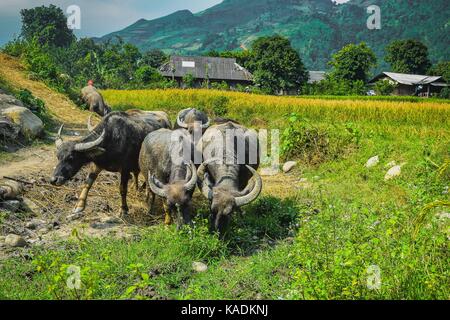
(231, 157)
(165, 162)
(94, 100)
(113, 145)
(190, 118)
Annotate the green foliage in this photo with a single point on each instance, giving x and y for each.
(315, 28)
(441, 69)
(154, 58)
(353, 63)
(219, 106)
(408, 56)
(384, 87)
(188, 80)
(313, 145)
(48, 25)
(445, 93)
(335, 87)
(276, 66)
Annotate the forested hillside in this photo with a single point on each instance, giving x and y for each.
(316, 28)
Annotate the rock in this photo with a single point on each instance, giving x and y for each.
(11, 205)
(7, 101)
(288, 166)
(112, 220)
(74, 216)
(15, 241)
(393, 172)
(9, 131)
(303, 180)
(10, 190)
(35, 224)
(372, 162)
(30, 125)
(199, 266)
(269, 171)
(30, 205)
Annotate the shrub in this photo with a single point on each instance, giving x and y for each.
(188, 81)
(384, 88)
(219, 106)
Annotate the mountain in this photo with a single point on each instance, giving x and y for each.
(316, 28)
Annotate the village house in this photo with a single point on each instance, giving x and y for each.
(206, 70)
(316, 76)
(412, 84)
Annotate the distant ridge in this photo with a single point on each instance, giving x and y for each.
(316, 28)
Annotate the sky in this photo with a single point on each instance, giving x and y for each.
(99, 17)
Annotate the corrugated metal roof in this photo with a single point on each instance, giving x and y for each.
(205, 67)
(316, 76)
(408, 79)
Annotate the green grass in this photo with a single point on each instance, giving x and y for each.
(317, 242)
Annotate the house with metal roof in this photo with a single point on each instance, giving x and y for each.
(206, 70)
(412, 84)
(316, 76)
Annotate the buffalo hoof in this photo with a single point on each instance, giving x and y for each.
(77, 210)
(123, 213)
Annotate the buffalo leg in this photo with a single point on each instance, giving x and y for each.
(167, 217)
(124, 177)
(136, 180)
(92, 176)
(150, 202)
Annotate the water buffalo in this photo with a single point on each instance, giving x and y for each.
(160, 116)
(113, 145)
(94, 100)
(225, 175)
(169, 172)
(189, 118)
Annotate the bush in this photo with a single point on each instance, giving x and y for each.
(335, 87)
(313, 145)
(188, 81)
(219, 106)
(445, 93)
(384, 88)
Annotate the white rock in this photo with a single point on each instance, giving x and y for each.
(288, 166)
(30, 125)
(393, 172)
(199, 266)
(15, 241)
(372, 162)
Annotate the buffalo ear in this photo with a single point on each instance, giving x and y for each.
(95, 152)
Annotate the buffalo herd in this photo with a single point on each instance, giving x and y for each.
(219, 156)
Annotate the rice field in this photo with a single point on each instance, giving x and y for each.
(271, 109)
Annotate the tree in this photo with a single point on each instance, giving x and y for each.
(46, 24)
(353, 63)
(441, 69)
(154, 58)
(408, 56)
(276, 65)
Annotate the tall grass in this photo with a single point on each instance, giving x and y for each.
(271, 109)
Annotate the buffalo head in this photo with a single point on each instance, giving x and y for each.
(224, 201)
(178, 194)
(72, 156)
(191, 119)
